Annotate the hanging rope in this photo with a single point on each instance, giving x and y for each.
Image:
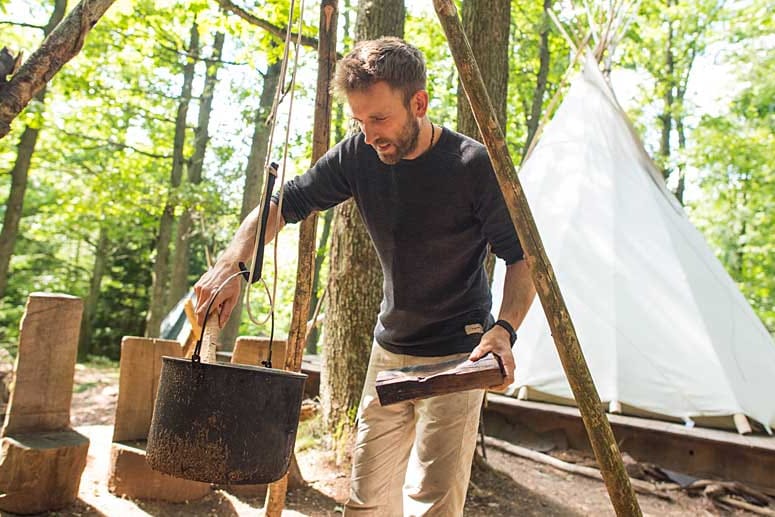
(266, 194)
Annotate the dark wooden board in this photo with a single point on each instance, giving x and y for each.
(417, 382)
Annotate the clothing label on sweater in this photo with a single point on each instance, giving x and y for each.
(474, 328)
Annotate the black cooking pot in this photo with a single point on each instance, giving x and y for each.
(224, 423)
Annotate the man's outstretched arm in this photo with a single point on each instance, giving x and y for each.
(240, 249)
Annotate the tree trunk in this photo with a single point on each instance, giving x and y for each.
(666, 118)
(328, 216)
(63, 41)
(180, 265)
(356, 276)
(254, 180)
(487, 24)
(20, 171)
(90, 304)
(161, 265)
(541, 79)
(681, 187)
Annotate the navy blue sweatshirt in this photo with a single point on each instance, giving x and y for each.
(431, 220)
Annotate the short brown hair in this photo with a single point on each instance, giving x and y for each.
(387, 59)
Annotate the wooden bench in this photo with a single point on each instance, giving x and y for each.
(42, 457)
(130, 475)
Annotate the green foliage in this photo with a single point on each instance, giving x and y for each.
(734, 154)
(103, 158)
(527, 21)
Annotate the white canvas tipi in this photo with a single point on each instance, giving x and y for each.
(663, 327)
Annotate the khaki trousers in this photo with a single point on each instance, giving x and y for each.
(414, 457)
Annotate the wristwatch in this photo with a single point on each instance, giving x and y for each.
(512, 333)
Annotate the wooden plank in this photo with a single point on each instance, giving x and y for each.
(699, 452)
(138, 381)
(45, 364)
(253, 350)
(423, 381)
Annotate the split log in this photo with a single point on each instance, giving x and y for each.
(640, 486)
(417, 382)
(64, 43)
(599, 430)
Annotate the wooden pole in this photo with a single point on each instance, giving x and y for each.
(600, 434)
(321, 139)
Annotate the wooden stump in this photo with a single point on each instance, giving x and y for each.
(130, 475)
(41, 471)
(41, 458)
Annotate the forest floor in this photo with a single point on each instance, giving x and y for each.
(503, 486)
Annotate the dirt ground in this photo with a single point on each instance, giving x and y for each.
(504, 485)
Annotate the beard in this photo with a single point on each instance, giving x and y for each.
(404, 144)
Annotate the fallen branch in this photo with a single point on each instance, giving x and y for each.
(721, 491)
(640, 486)
(712, 487)
(746, 506)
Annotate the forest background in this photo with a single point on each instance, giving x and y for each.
(143, 153)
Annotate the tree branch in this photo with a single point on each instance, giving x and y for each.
(20, 24)
(61, 45)
(116, 145)
(252, 19)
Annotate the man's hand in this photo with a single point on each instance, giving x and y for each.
(205, 289)
(497, 341)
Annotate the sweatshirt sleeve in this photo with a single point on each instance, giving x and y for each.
(321, 187)
(491, 211)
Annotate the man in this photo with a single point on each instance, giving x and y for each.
(431, 204)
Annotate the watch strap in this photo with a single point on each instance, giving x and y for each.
(507, 326)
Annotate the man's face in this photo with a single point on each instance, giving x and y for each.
(388, 125)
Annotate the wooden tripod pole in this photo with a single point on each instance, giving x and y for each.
(321, 139)
(600, 434)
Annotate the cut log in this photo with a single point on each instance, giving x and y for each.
(41, 471)
(417, 382)
(45, 364)
(254, 350)
(139, 372)
(139, 375)
(131, 476)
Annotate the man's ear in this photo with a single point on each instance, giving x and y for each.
(420, 103)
